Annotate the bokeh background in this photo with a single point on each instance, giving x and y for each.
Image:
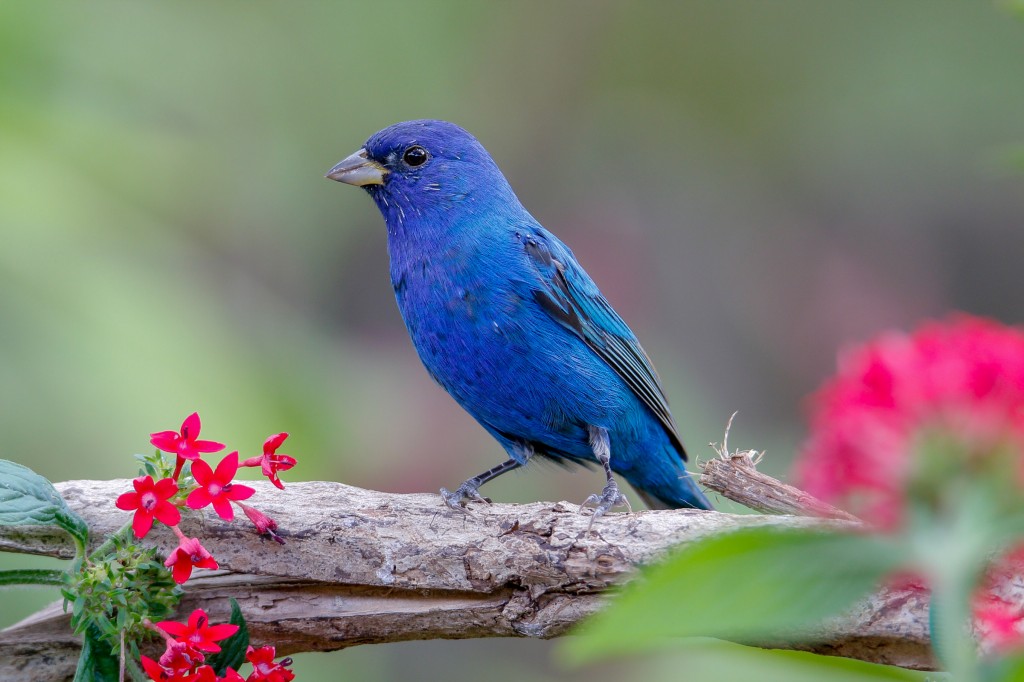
(752, 184)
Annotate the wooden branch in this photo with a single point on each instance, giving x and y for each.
(735, 476)
(365, 567)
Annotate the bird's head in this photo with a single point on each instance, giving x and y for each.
(424, 169)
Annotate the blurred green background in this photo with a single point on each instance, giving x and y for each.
(753, 185)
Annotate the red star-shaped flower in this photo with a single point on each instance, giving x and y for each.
(189, 553)
(185, 443)
(270, 461)
(216, 488)
(150, 500)
(263, 667)
(198, 633)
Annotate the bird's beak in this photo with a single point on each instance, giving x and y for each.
(359, 170)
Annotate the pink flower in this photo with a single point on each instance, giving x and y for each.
(150, 501)
(216, 488)
(158, 673)
(264, 524)
(961, 381)
(181, 657)
(189, 553)
(998, 623)
(270, 461)
(198, 633)
(264, 669)
(185, 443)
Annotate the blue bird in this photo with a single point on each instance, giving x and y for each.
(506, 320)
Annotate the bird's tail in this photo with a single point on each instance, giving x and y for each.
(682, 493)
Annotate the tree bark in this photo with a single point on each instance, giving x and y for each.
(364, 567)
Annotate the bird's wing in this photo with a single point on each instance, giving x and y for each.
(571, 298)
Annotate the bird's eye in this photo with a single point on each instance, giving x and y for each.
(415, 156)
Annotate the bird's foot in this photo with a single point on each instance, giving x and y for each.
(610, 497)
(461, 496)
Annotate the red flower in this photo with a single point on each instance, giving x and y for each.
(184, 443)
(189, 553)
(270, 461)
(198, 633)
(181, 657)
(216, 488)
(231, 675)
(150, 500)
(158, 673)
(961, 380)
(264, 668)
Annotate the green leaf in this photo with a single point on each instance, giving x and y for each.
(711, 659)
(97, 663)
(232, 652)
(754, 583)
(28, 499)
(32, 576)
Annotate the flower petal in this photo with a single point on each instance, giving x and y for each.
(127, 501)
(182, 570)
(165, 488)
(207, 562)
(174, 628)
(202, 472)
(219, 632)
(271, 444)
(166, 441)
(191, 426)
(239, 492)
(207, 446)
(152, 668)
(198, 498)
(167, 513)
(142, 522)
(222, 506)
(285, 462)
(227, 468)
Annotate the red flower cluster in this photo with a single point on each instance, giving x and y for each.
(184, 659)
(160, 500)
(962, 380)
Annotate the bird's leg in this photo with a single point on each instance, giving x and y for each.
(470, 490)
(610, 496)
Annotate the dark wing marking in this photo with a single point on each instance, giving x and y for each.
(572, 299)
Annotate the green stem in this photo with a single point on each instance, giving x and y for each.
(108, 544)
(32, 576)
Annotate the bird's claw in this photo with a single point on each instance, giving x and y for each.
(609, 498)
(461, 496)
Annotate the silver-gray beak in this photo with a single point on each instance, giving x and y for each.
(359, 170)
